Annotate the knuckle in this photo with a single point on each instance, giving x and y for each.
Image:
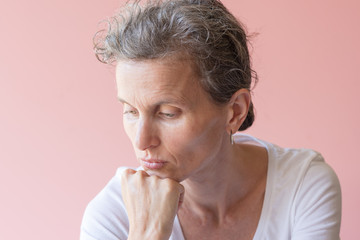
(141, 173)
(128, 171)
(126, 174)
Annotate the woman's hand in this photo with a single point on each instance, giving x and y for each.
(151, 204)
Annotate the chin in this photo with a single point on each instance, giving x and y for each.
(164, 174)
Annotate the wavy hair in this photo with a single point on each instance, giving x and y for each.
(203, 29)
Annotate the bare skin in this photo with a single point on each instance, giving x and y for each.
(181, 138)
(155, 224)
(226, 209)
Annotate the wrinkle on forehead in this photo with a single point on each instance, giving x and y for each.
(157, 80)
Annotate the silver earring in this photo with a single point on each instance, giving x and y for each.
(231, 138)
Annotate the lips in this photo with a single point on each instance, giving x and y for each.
(152, 163)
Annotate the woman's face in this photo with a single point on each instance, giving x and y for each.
(175, 129)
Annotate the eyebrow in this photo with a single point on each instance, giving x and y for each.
(122, 100)
(181, 101)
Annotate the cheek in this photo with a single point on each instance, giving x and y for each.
(129, 130)
(195, 140)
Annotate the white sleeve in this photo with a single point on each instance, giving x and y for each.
(317, 207)
(105, 216)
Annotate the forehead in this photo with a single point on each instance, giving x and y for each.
(157, 80)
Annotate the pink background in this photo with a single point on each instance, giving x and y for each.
(61, 136)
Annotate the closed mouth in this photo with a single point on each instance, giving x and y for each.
(152, 163)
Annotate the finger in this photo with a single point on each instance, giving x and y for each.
(129, 171)
(142, 173)
(126, 174)
(181, 188)
(182, 194)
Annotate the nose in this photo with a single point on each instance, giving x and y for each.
(146, 135)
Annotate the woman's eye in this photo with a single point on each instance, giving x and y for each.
(167, 115)
(130, 112)
(169, 112)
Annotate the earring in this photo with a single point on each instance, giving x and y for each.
(231, 138)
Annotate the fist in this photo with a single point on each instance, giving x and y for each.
(151, 204)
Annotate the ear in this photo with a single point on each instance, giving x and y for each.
(238, 107)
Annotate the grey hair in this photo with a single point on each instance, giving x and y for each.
(203, 29)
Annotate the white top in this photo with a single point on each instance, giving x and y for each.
(302, 200)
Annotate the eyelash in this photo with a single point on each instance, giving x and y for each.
(130, 111)
(166, 115)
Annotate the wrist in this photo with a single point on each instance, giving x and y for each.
(147, 235)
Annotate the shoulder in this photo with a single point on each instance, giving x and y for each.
(105, 216)
(317, 205)
(304, 169)
(296, 163)
(283, 159)
(310, 189)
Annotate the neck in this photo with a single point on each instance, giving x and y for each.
(225, 183)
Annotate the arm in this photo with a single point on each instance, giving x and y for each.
(106, 216)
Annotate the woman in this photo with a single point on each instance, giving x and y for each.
(183, 75)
